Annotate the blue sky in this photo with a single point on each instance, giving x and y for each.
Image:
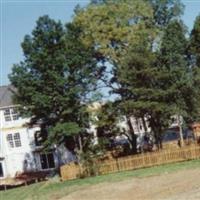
(18, 18)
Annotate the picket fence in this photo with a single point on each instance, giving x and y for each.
(73, 171)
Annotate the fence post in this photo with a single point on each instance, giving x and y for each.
(117, 164)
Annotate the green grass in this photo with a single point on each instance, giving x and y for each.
(53, 189)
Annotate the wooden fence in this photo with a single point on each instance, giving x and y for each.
(73, 171)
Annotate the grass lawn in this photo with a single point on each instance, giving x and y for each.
(54, 189)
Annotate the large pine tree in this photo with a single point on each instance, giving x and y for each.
(195, 41)
(194, 55)
(55, 79)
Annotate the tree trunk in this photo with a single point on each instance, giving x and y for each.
(80, 143)
(180, 131)
(133, 136)
(157, 133)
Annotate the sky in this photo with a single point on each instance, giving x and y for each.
(18, 17)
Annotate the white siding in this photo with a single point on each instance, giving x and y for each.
(16, 159)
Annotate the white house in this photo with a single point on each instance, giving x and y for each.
(19, 150)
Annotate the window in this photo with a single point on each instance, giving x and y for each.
(1, 170)
(10, 140)
(38, 138)
(17, 140)
(47, 161)
(15, 114)
(11, 114)
(7, 115)
(14, 140)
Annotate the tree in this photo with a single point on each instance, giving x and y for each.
(106, 119)
(195, 41)
(173, 58)
(98, 1)
(54, 80)
(150, 71)
(194, 57)
(111, 26)
(165, 11)
(140, 91)
(157, 85)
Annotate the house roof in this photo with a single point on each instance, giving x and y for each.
(6, 96)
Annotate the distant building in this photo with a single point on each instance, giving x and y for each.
(138, 124)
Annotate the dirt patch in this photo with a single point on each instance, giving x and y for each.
(182, 185)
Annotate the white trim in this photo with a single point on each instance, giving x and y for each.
(10, 106)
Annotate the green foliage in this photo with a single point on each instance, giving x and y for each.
(106, 119)
(111, 26)
(166, 10)
(157, 84)
(145, 43)
(60, 131)
(98, 1)
(153, 69)
(195, 41)
(55, 78)
(90, 157)
(141, 89)
(180, 80)
(194, 53)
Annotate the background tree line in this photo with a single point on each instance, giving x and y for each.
(140, 50)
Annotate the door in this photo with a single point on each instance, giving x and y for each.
(47, 161)
(1, 170)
